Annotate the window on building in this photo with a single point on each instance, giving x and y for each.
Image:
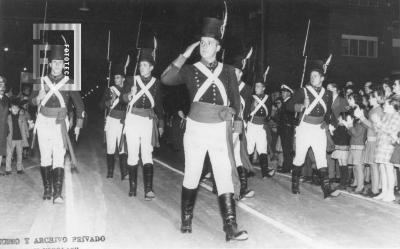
(360, 46)
(345, 46)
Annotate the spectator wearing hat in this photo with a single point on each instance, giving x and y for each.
(18, 135)
(286, 129)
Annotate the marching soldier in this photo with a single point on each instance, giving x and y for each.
(213, 89)
(286, 129)
(314, 103)
(114, 123)
(257, 112)
(52, 123)
(144, 115)
(243, 164)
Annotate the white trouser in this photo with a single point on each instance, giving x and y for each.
(310, 135)
(256, 139)
(113, 129)
(138, 132)
(236, 149)
(198, 139)
(51, 146)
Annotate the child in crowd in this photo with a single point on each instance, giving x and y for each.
(358, 134)
(387, 134)
(341, 138)
(17, 136)
(376, 112)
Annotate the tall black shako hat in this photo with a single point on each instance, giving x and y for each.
(317, 66)
(56, 52)
(320, 66)
(147, 54)
(118, 69)
(213, 27)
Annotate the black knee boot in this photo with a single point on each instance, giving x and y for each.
(123, 158)
(132, 171)
(47, 181)
(110, 165)
(325, 185)
(148, 181)
(296, 173)
(228, 212)
(244, 192)
(265, 171)
(58, 179)
(187, 206)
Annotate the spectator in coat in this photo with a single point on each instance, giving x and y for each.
(4, 102)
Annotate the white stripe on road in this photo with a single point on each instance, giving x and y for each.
(307, 240)
(356, 196)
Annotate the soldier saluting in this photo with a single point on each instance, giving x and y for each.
(213, 90)
(114, 122)
(52, 123)
(144, 116)
(314, 103)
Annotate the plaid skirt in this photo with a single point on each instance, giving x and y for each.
(369, 152)
(355, 157)
(396, 156)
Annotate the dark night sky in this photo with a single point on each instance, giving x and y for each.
(175, 24)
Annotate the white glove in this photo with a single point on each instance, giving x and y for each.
(77, 131)
(331, 129)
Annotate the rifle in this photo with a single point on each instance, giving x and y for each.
(109, 62)
(304, 54)
(305, 62)
(122, 142)
(42, 75)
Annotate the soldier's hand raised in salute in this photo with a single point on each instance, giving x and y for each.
(190, 49)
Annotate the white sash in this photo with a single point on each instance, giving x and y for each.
(241, 86)
(118, 93)
(144, 89)
(54, 89)
(212, 77)
(317, 99)
(260, 103)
